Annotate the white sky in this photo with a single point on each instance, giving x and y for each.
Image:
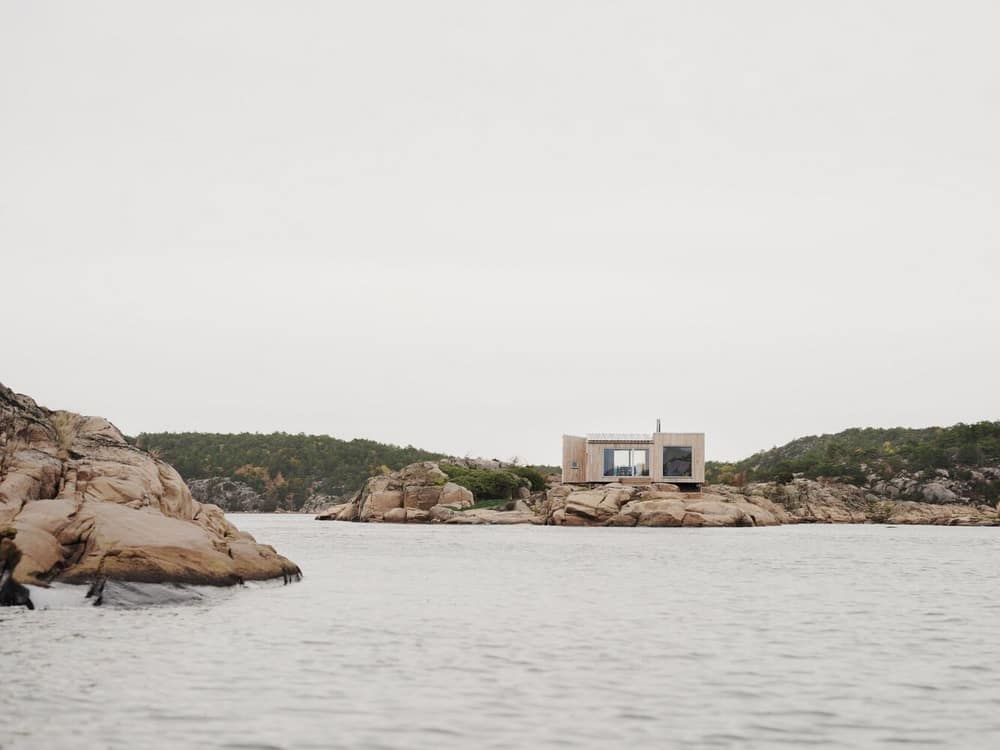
(474, 226)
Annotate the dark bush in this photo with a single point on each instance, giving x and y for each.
(970, 454)
(988, 491)
(485, 484)
(533, 475)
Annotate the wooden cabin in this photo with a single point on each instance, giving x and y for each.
(675, 457)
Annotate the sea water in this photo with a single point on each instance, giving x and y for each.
(532, 637)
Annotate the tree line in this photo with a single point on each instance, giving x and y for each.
(287, 469)
(853, 455)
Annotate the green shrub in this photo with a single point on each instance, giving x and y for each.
(988, 491)
(485, 484)
(854, 475)
(533, 475)
(970, 454)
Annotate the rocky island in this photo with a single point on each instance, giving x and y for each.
(424, 493)
(79, 504)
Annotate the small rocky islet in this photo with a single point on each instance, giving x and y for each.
(423, 493)
(80, 505)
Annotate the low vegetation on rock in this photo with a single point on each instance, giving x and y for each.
(485, 484)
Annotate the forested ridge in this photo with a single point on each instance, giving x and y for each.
(289, 469)
(857, 455)
(285, 468)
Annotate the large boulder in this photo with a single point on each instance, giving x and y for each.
(406, 515)
(422, 474)
(936, 492)
(456, 495)
(599, 504)
(377, 504)
(502, 517)
(79, 504)
(379, 495)
(421, 497)
(421, 489)
(338, 512)
(715, 513)
(661, 517)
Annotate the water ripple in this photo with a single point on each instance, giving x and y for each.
(448, 638)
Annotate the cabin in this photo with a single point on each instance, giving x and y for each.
(632, 458)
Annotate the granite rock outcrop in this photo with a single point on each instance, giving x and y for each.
(421, 493)
(78, 504)
(232, 495)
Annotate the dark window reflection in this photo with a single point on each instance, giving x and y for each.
(676, 461)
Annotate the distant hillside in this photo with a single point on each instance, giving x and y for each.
(286, 469)
(860, 455)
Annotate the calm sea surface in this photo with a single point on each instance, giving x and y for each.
(534, 637)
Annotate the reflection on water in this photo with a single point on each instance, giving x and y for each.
(514, 637)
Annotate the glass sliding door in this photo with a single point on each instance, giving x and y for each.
(626, 462)
(640, 462)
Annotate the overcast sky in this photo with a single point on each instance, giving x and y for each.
(476, 226)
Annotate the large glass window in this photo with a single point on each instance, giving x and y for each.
(626, 462)
(677, 461)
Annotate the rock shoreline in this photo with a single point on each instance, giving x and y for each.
(78, 504)
(420, 493)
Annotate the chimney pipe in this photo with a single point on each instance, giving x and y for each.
(657, 424)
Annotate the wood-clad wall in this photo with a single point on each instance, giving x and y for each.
(693, 440)
(595, 459)
(574, 449)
